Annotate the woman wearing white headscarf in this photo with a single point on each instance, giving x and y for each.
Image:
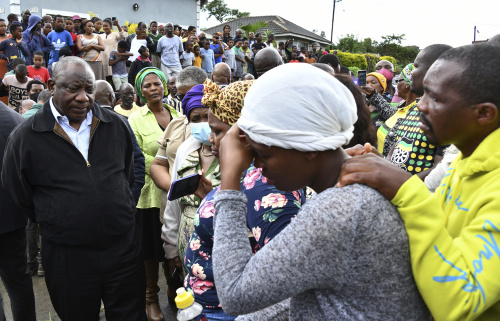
(345, 256)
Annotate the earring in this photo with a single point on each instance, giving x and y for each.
(407, 86)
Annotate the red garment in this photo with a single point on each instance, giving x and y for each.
(293, 61)
(73, 37)
(41, 74)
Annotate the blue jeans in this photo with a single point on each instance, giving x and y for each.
(216, 315)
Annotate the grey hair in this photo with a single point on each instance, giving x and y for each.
(191, 76)
(44, 95)
(62, 66)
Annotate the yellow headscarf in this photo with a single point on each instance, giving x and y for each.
(381, 79)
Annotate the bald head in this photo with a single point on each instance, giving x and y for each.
(104, 93)
(221, 74)
(495, 40)
(266, 59)
(324, 67)
(26, 105)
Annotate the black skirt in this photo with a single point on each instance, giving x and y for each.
(152, 244)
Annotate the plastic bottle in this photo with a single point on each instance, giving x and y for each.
(188, 309)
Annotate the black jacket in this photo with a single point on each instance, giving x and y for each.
(75, 202)
(139, 160)
(137, 65)
(10, 215)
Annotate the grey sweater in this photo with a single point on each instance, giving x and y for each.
(345, 257)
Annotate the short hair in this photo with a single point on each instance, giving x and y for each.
(191, 76)
(431, 53)
(270, 35)
(12, 17)
(65, 52)
(302, 48)
(142, 49)
(13, 27)
(21, 68)
(38, 53)
(300, 58)
(151, 23)
(44, 95)
(281, 43)
(61, 67)
(34, 82)
(324, 67)
(2, 20)
(18, 61)
(70, 19)
(330, 59)
(258, 34)
(479, 62)
(122, 44)
(191, 28)
(58, 16)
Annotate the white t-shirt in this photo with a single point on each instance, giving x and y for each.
(230, 58)
(17, 90)
(187, 59)
(170, 48)
(134, 47)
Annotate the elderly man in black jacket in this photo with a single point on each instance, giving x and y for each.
(13, 264)
(70, 168)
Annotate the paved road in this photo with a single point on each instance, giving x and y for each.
(45, 311)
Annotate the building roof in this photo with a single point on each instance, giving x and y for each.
(277, 25)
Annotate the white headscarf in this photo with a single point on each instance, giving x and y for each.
(301, 107)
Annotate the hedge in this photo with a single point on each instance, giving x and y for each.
(360, 61)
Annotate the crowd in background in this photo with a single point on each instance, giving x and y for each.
(319, 197)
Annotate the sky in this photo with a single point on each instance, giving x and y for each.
(423, 22)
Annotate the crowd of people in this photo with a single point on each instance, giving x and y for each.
(318, 198)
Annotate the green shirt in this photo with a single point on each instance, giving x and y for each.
(36, 107)
(147, 131)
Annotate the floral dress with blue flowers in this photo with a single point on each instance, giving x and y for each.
(268, 212)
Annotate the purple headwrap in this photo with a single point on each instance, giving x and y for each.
(192, 100)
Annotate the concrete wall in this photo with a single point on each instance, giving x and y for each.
(182, 12)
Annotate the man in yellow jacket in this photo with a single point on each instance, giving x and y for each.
(454, 233)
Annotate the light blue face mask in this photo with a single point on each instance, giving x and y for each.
(201, 131)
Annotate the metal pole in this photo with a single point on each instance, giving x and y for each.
(474, 33)
(333, 18)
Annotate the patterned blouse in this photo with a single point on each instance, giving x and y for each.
(268, 212)
(91, 55)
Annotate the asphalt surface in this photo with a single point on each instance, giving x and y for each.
(45, 311)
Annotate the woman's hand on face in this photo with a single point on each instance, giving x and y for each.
(204, 187)
(368, 90)
(235, 157)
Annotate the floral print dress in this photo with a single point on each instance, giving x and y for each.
(190, 203)
(268, 212)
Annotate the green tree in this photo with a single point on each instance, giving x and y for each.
(221, 12)
(253, 27)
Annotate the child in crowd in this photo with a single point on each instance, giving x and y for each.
(118, 62)
(141, 62)
(13, 47)
(37, 71)
(294, 58)
(15, 62)
(230, 56)
(187, 56)
(300, 58)
(16, 85)
(240, 59)
(310, 59)
(197, 58)
(64, 52)
(207, 55)
(245, 48)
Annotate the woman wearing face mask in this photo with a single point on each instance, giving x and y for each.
(377, 100)
(148, 124)
(269, 210)
(193, 155)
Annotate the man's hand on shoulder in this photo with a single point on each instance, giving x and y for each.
(375, 172)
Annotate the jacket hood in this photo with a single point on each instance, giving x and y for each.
(485, 158)
(32, 22)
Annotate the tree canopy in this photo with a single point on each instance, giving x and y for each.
(220, 10)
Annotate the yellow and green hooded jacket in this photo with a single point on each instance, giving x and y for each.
(454, 236)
